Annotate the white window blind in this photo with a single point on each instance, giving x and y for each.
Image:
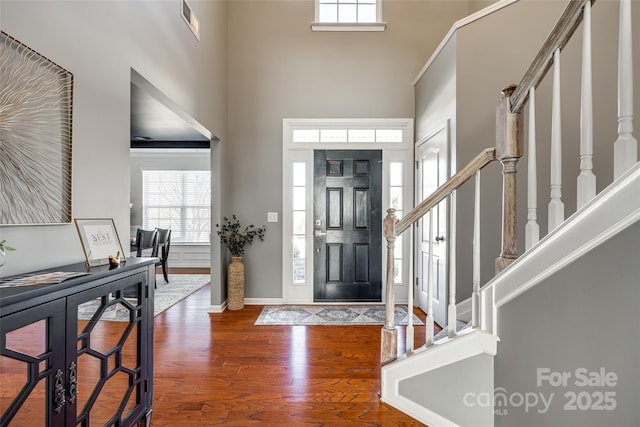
(180, 200)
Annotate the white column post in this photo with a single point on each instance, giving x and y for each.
(625, 149)
(451, 308)
(556, 206)
(586, 189)
(532, 229)
(475, 296)
(429, 324)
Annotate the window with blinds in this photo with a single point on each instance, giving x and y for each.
(180, 200)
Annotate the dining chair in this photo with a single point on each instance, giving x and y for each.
(146, 239)
(162, 250)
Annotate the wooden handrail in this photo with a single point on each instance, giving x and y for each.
(467, 172)
(560, 34)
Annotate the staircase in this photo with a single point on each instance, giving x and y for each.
(507, 367)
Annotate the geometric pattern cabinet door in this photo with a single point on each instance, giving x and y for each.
(32, 366)
(64, 362)
(108, 358)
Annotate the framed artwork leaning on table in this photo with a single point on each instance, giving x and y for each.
(99, 240)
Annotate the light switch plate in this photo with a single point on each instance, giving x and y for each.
(272, 216)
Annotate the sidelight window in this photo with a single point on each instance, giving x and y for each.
(395, 198)
(299, 211)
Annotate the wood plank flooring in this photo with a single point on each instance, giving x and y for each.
(220, 369)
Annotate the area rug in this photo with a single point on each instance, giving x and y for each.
(179, 287)
(331, 315)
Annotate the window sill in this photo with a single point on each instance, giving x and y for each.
(325, 26)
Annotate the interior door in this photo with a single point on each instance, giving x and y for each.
(347, 225)
(431, 173)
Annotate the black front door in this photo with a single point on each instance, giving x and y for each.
(347, 225)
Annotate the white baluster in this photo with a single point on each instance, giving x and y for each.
(451, 308)
(532, 229)
(430, 323)
(556, 206)
(625, 149)
(410, 330)
(475, 297)
(586, 189)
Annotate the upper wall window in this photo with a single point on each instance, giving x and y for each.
(348, 15)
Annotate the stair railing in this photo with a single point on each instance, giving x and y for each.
(509, 148)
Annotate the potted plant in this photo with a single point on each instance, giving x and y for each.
(3, 249)
(236, 239)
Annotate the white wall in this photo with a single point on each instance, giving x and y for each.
(99, 42)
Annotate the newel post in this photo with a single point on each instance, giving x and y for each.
(389, 338)
(509, 148)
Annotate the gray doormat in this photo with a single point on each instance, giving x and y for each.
(331, 315)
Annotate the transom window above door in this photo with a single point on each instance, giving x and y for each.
(348, 15)
(347, 135)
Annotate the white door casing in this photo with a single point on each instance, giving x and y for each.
(298, 153)
(431, 172)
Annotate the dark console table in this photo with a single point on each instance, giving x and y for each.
(63, 361)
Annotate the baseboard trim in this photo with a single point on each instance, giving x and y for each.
(280, 301)
(218, 308)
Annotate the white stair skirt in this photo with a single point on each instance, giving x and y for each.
(428, 384)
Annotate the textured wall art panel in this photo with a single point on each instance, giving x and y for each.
(35, 137)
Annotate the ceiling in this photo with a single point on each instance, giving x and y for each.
(157, 122)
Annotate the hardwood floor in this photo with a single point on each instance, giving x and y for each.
(220, 369)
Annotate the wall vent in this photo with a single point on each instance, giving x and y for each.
(190, 18)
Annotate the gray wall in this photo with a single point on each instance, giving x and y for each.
(99, 42)
(494, 52)
(488, 60)
(584, 316)
(435, 94)
(279, 68)
(455, 391)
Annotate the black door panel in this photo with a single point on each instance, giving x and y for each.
(348, 225)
